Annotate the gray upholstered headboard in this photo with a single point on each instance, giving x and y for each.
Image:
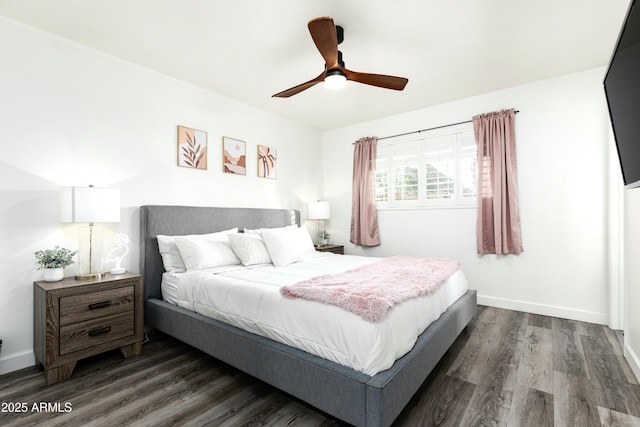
(181, 220)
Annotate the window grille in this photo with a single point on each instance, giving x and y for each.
(431, 169)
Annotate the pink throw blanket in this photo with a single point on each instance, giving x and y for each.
(371, 290)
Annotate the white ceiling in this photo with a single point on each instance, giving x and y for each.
(250, 49)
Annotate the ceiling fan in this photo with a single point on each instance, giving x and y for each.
(327, 36)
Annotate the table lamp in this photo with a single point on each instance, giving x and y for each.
(89, 205)
(319, 211)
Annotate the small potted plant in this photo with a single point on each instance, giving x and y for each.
(53, 261)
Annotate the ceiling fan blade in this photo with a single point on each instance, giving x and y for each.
(297, 89)
(380, 80)
(323, 33)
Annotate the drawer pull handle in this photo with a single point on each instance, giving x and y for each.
(99, 331)
(101, 304)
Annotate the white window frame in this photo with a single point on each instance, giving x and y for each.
(459, 133)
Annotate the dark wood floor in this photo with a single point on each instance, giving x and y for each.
(506, 369)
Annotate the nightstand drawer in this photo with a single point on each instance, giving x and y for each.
(81, 307)
(87, 334)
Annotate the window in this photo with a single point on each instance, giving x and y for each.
(430, 169)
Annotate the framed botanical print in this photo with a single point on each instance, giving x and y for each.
(192, 148)
(267, 162)
(234, 156)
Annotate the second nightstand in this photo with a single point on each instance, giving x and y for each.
(336, 249)
(74, 319)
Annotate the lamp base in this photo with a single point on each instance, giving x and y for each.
(92, 276)
(319, 232)
(89, 252)
(118, 270)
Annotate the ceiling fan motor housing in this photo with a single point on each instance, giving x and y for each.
(340, 61)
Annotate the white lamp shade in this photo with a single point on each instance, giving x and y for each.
(89, 204)
(319, 210)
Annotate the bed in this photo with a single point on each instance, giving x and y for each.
(347, 394)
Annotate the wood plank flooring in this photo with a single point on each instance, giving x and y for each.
(507, 368)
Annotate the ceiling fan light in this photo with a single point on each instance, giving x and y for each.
(335, 81)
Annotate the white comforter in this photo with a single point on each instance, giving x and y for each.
(249, 298)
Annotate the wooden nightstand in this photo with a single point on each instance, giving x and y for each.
(336, 249)
(74, 319)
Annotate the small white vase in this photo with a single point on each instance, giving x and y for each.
(53, 274)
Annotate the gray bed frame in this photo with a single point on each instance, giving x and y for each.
(349, 395)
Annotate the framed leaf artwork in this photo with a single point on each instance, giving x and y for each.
(192, 148)
(267, 162)
(234, 156)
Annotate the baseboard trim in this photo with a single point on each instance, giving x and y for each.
(17, 361)
(633, 361)
(545, 309)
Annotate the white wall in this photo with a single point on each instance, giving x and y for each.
(70, 115)
(562, 148)
(632, 279)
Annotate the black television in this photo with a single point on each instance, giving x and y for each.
(622, 90)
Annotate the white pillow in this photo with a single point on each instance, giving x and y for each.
(252, 231)
(171, 258)
(206, 251)
(259, 232)
(288, 245)
(250, 248)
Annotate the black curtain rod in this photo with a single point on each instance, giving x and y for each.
(433, 128)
